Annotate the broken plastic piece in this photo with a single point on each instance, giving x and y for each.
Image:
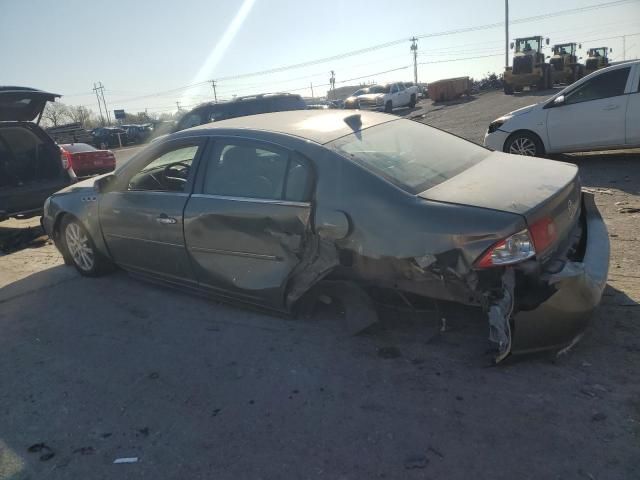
(499, 314)
(126, 460)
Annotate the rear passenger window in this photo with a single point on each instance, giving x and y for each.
(605, 85)
(247, 170)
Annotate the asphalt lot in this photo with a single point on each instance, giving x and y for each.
(99, 369)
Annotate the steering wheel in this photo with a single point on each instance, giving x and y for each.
(170, 172)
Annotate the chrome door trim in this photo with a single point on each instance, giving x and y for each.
(258, 256)
(286, 203)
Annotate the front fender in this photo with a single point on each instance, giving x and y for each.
(82, 202)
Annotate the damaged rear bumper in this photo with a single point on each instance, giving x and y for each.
(562, 318)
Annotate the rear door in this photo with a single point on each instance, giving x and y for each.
(247, 222)
(142, 217)
(593, 114)
(633, 111)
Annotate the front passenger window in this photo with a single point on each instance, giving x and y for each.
(167, 173)
(605, 85)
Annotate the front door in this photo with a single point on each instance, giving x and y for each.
(247, 222)
(593, 114)
(141, 217)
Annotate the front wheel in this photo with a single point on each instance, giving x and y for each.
(524, 143)
(508, 89)
(388, 107)
(412, 102)
(82, 251)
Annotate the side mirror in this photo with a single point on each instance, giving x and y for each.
(610, 50)
(547, 41)
(102, 183)
(559, 101)
(512, 45)
(580, 46)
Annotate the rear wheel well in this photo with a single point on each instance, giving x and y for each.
(527, 132)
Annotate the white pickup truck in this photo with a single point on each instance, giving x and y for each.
(387, 97)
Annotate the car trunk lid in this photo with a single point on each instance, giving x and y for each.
(23, 104)
(535, 188)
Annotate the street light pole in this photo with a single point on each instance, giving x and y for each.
(506, 34)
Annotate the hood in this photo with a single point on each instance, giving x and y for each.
(523, 110)
(23, 104)
(509, 183)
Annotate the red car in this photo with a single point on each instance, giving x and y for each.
(87, 160)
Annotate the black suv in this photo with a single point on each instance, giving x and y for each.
(240, 107)
(31, 164)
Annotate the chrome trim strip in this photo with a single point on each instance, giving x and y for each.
(286, 203)
(258, 256)
(122, 237)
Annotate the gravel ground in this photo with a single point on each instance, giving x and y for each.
(113, 367)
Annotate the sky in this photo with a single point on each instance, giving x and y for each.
(152, 54)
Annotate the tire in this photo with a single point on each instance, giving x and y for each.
(508, 89)
(388, 107)
(524, 143)
(413, 101)
(81, 250)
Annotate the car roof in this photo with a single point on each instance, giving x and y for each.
(320, 126)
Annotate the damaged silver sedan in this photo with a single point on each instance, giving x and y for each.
(263, 209)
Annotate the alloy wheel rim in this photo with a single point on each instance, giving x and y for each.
(523, 146)
(79, 248)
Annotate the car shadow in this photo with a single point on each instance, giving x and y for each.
(607, 171)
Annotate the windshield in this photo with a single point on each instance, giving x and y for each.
(528, 45)
(598, 52)
(362, 91)
(379, 89)
(563, 49)
(411, 155)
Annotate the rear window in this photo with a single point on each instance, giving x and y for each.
(409, 154)
(379, 89)
(78, 147)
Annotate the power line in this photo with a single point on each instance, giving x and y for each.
(572, 11)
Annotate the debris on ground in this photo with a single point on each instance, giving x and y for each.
(629, 210)
(416, 462)
(47, 454)
(18, 238)
(126, 460)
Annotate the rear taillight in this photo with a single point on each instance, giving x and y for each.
(514, 249)
(65, 158)
(544, 234)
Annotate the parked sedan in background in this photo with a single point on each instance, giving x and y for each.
(352, 100)
(598, 112)
(87, 160)
(267, 209)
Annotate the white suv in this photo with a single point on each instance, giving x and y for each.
(598, 112)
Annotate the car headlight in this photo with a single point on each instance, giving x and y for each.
(496, 124)
(379, 101)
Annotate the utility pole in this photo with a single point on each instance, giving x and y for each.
(332, 82)
(95, 89)
(414, 49)
(178, 105)
(624, 47)
(215, 95)
(100, 87)
(506, 34)
(312, 90)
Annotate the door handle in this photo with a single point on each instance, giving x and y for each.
(612, 107)
(165, 220)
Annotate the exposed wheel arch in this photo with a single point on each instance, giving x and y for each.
(539, 143)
